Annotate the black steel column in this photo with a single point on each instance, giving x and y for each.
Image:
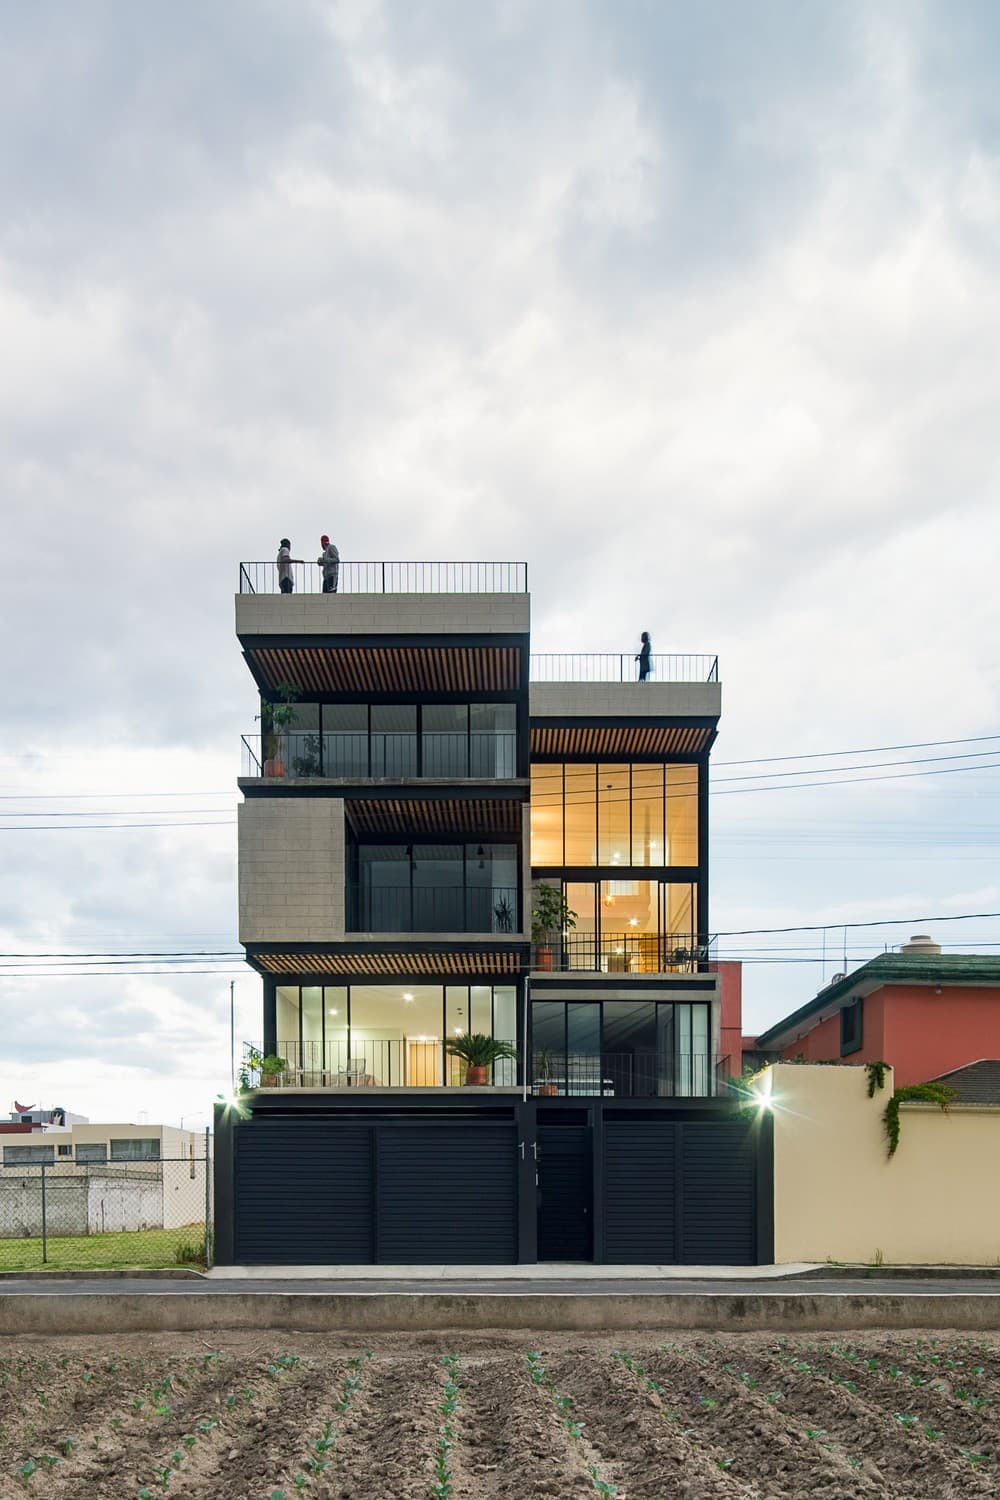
(270, 1043)
(702, 935)
(222, 1172)
(527, 1183)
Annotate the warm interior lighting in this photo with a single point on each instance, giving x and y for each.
(333, 1012)
(407, 995)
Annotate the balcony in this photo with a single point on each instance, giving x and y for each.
(392, 578)
(299, 754)
(413, 908)
(595, 666)
(627, 1075)
(625, 953)
(366, 1063)
(421, 1062)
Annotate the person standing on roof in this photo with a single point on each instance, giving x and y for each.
(285, 559)
(644, 657)
(329, 561)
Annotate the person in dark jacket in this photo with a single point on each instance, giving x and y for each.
(644, 657)
(329, 561)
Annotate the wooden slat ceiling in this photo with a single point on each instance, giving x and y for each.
(375, 965)
(637, 739)
(473, 818)
(390, 669)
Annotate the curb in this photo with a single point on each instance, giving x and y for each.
(426, 1312)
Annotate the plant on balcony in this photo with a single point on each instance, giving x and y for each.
(503, 914)
(550, 916)
(274, 720)
(479, 1052)
(543, 1071)
(267, 1065)
(307, 763)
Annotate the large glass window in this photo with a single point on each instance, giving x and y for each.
(138, 1148)
(613, 815)
(682, 815)
(92, 1153)
(446, 739)
(640, 1048)
(435, 888)
(28, 1156)
(580, 801)
(492, 739)
(394, 739)
(547, 815)
(345, 739)
(631, 926)
(388, 1034)
(610, 814)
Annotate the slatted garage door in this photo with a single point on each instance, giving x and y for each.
(304, 1193)
(346, 1193)
(447, 1193)
(679, 1193)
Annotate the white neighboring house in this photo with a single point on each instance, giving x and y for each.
(102, 1178)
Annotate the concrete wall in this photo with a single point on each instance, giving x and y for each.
(291, 869)
(382, 614)
(838, 1195)
(646, 700)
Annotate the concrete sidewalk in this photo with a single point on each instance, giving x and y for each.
(549, 1271)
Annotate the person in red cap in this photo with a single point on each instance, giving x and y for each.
(329, 561)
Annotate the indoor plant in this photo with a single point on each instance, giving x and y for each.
(478, 1052)
(550, 914)
(543, 1070)
(274, 720)
(503, 915)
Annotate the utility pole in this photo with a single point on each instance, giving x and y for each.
(232, 1034)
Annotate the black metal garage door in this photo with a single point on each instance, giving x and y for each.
(325, 1192)
(680, 1193)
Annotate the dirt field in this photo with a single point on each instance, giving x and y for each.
(561, 1416)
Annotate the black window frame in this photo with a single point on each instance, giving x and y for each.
(852, 1027)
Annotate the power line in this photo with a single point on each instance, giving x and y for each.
(760, 760)
(967, 916)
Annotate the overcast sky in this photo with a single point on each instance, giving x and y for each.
(694, 308)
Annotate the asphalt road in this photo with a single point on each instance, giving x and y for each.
(46, 1286)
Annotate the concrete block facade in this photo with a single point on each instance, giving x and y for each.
(292, 876)
(382, 614)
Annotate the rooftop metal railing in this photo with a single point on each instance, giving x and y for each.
(594, 666)
(390, 578)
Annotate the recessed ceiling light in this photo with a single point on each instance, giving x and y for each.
(407, 996)
(333, 1012)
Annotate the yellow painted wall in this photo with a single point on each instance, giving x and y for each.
(838, 1196)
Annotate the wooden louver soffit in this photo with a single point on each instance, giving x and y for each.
(391, 669)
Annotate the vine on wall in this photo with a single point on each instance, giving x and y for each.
(876, 1076)
(928, 1093)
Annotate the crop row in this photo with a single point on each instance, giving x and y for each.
(712, 1416)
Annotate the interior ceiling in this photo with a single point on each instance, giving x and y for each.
(389, 669)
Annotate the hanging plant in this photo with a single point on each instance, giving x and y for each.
(927, 1093)
(876, 1076)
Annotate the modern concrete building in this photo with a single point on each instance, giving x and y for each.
(418, 779)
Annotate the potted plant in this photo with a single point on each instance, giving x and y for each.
(543, 1070)
(307, 763)
(274, 720)
(271, 1069)
(550, 914)
(503, 914)
(478, 1052)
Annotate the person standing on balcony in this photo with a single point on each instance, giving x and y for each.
(285, 560)
(644, 657)
(329, 561)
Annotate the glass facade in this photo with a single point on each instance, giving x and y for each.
(627, 1048)
(452, 741)
(610, 814)
(434, 888)
(631, 926)
(388, 1034)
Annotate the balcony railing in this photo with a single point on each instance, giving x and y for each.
(392, 578)
(407, 908)
(399, 1062)
(627, 1075)
(421, 1062)
(298, 753)
(614, 667)
(625, 953)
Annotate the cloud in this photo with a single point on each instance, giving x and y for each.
(693, 308)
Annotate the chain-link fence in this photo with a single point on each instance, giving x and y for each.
(66, 1214)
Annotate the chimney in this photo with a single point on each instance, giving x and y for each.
(920, 942)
